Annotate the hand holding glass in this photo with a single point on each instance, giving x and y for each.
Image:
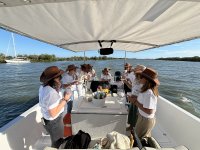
(132, 98)
(67, 94)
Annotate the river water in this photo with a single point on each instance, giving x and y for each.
(19, 83)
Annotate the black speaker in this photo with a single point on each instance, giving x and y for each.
(113, 88)
(106, 51)
(94, 85)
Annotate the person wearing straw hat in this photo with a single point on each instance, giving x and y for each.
(106, 76)
(69, 83)
(146, 102)
(81, 75)
(52, 103)
(91, 72)
(135, 90)
(128, 77)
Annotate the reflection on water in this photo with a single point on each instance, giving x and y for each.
(19, 83)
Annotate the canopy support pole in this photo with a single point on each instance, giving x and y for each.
(84, 57)
(125, 58)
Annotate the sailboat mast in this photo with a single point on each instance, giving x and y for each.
(14, 45)
(8, 47)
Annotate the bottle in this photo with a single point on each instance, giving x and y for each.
(98, 95)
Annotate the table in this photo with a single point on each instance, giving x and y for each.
(99, 121)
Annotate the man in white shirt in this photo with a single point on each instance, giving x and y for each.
(128, 78)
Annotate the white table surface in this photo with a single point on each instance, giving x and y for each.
(113, 105)
(99, 121)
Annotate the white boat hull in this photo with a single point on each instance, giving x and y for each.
(17, 61)
(183, 127)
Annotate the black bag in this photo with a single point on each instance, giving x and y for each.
(79, 141)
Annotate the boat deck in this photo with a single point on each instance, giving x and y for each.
(42, 142)
(161, 136)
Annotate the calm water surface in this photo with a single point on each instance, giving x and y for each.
(19, 83)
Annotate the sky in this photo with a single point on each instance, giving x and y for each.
(29, 46)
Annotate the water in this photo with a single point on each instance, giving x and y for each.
(19, 83)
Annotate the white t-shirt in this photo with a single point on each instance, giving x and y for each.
(81, 75)
(119, 84)
(49, 98)
(131, 76)
(106, 77)
(136, 87)
(91, 75)
(148, 100)
(67, 79)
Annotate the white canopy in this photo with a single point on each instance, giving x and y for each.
(77, 25)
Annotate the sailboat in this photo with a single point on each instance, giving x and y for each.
(16, 59)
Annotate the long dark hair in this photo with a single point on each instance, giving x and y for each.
(150, 85)
(52, 83)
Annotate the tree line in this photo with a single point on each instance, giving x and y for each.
(195, 58)
(49, 58)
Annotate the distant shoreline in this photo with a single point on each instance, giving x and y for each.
(193, 59)
(52, 58)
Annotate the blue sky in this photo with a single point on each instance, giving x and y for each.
(28, 46)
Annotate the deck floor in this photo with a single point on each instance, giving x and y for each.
(161, 136)
(42, 142)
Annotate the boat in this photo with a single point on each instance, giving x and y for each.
(80, 25)
(16, 59)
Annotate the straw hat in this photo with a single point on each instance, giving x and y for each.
(139, 69)
(84, 66)
(106, 69)
(71, 67)
(89, 66)
(127, 65)
(151, 74)
(50, 73)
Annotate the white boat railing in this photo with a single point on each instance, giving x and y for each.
(180, 124)
(23, 132)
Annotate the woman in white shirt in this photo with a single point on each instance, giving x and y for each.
(52, 104)
(91, 73)
(136, 88)
(81, 75)
(69, 84)
(146, 103)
